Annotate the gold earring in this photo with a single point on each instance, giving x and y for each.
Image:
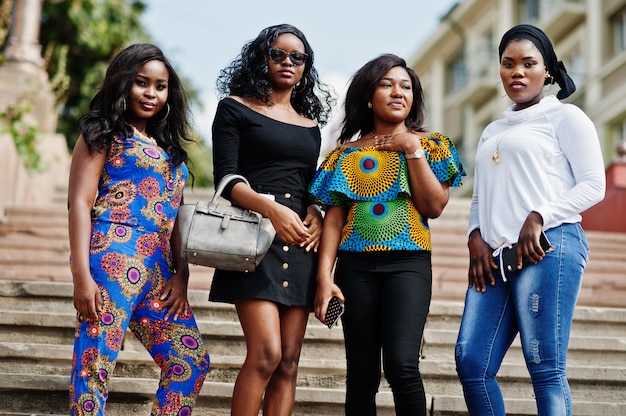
(301, 86)
(167, 113)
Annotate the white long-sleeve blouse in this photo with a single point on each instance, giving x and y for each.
(550, 161)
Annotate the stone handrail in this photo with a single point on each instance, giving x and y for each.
(18, 187)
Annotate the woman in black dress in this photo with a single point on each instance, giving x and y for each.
(267, 129)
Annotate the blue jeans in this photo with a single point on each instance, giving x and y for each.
(538, 302)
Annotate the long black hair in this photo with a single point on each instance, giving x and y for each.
(106, 114)
(246, 76)
(359, 118)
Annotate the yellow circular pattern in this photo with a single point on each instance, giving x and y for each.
(370, 172)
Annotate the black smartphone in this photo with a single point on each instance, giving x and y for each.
(333, 311)
(509, 256)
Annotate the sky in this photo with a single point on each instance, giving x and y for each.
(200, 37)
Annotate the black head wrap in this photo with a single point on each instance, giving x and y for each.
(541, 41)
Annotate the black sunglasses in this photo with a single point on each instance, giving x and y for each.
(278, 55)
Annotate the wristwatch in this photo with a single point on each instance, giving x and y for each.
(418, 154)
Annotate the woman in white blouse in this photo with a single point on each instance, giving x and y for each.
(537, 169)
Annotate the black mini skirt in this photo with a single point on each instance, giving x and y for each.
(286, 275)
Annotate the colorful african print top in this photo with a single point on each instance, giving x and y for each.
(375, 186)
(139, 187)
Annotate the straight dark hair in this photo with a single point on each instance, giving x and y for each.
(359, 119)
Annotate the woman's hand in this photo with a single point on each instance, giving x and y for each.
(87, 297)
(482, 262)
(175, 297)
(313, 221)
(429, 195)
(288, 225)
(334, 220)
(529, 246)
(407, 142)
(322, 296)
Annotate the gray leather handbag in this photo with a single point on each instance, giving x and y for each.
(223, 236)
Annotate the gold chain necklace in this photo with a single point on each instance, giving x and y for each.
(142, 135)
(384, 136)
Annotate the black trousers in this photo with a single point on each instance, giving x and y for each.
(387, 300)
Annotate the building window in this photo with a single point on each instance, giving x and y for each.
(456, 75)
(486, 55)
(575, 67)
(619, 132)
(529, 10)
(618, 26)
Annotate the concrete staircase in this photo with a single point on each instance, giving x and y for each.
(36, 335)
(37, 326)
(34, 246)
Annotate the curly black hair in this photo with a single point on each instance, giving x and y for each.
(358, 116)
(106, 114)
(246, 76)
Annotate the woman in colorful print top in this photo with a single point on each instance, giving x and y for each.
(126, 264)
(379, 192)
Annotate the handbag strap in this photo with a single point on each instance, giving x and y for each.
(225, 181)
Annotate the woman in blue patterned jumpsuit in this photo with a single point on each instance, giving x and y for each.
(126, 184)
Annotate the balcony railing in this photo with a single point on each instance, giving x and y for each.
(475, 82)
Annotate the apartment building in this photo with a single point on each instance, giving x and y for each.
(459, 69)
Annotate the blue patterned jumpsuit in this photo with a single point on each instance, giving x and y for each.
(131, 260)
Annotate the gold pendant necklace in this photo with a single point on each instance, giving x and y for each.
(496, 155)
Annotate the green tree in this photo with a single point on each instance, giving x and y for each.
(5, 21)
(78, 38)
(201, 163)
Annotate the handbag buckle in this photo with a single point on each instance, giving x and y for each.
(225, 221)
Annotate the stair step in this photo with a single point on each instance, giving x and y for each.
(34, 246)
(586, 336)
(226, 338)
(36, 358)
(46, 296)
(214, 399)
(455, 406)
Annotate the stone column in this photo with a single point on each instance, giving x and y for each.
(23, 73)
(23, 46)
(23, 77)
